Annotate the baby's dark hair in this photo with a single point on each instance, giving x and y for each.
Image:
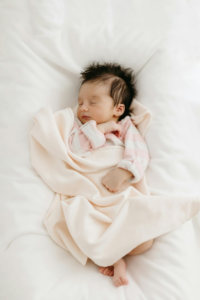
(122, 87)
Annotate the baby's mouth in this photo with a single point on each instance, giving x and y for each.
(85, 117)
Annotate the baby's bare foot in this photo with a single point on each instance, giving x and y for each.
(108, 271)
(119, 277)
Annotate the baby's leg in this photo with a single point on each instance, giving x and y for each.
(119, 277)
(118, 271)
(141, 248)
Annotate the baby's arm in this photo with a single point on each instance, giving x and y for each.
(136, 154)
(110, 126)
(83, 139)
(136, 158)
(90, 136)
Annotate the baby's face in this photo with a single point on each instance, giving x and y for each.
(94, 103)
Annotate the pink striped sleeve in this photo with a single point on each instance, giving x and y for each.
(136, 154)
(85, 138)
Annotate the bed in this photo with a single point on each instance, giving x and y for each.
(43, 47)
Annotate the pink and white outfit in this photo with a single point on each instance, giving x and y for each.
(84, 138)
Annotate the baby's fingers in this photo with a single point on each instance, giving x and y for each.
(119, 128)
(110, 188)
(117, 133)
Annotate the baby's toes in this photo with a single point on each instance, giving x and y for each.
(124, 281)
(116, 282)
(106, 271)
(101, 269)
(119, 282)
(111, 273)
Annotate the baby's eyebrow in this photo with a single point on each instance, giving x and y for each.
(95, 97)
(92, 97)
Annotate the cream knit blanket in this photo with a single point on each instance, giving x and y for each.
(84, 217)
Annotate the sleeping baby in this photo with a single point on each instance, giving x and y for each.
(103, 119)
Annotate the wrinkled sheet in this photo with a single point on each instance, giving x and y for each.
(43, 47)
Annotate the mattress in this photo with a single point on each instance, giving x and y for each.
(43, 47)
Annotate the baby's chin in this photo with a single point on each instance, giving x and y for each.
(84, 121)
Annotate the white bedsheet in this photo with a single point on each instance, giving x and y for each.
(43, 46)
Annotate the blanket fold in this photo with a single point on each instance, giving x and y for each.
(84, 217)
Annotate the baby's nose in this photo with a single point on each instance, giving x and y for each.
(84, 107)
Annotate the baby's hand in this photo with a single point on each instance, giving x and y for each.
(113, 180)
(110, 126)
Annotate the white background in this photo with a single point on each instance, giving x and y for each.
(44, 45)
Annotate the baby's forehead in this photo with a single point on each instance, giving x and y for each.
(94, 89)
(98, 83)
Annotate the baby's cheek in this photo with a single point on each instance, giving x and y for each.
(78, 112)
(103, 115)
(98, 114)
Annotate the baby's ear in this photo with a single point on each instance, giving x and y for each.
(119, 109)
